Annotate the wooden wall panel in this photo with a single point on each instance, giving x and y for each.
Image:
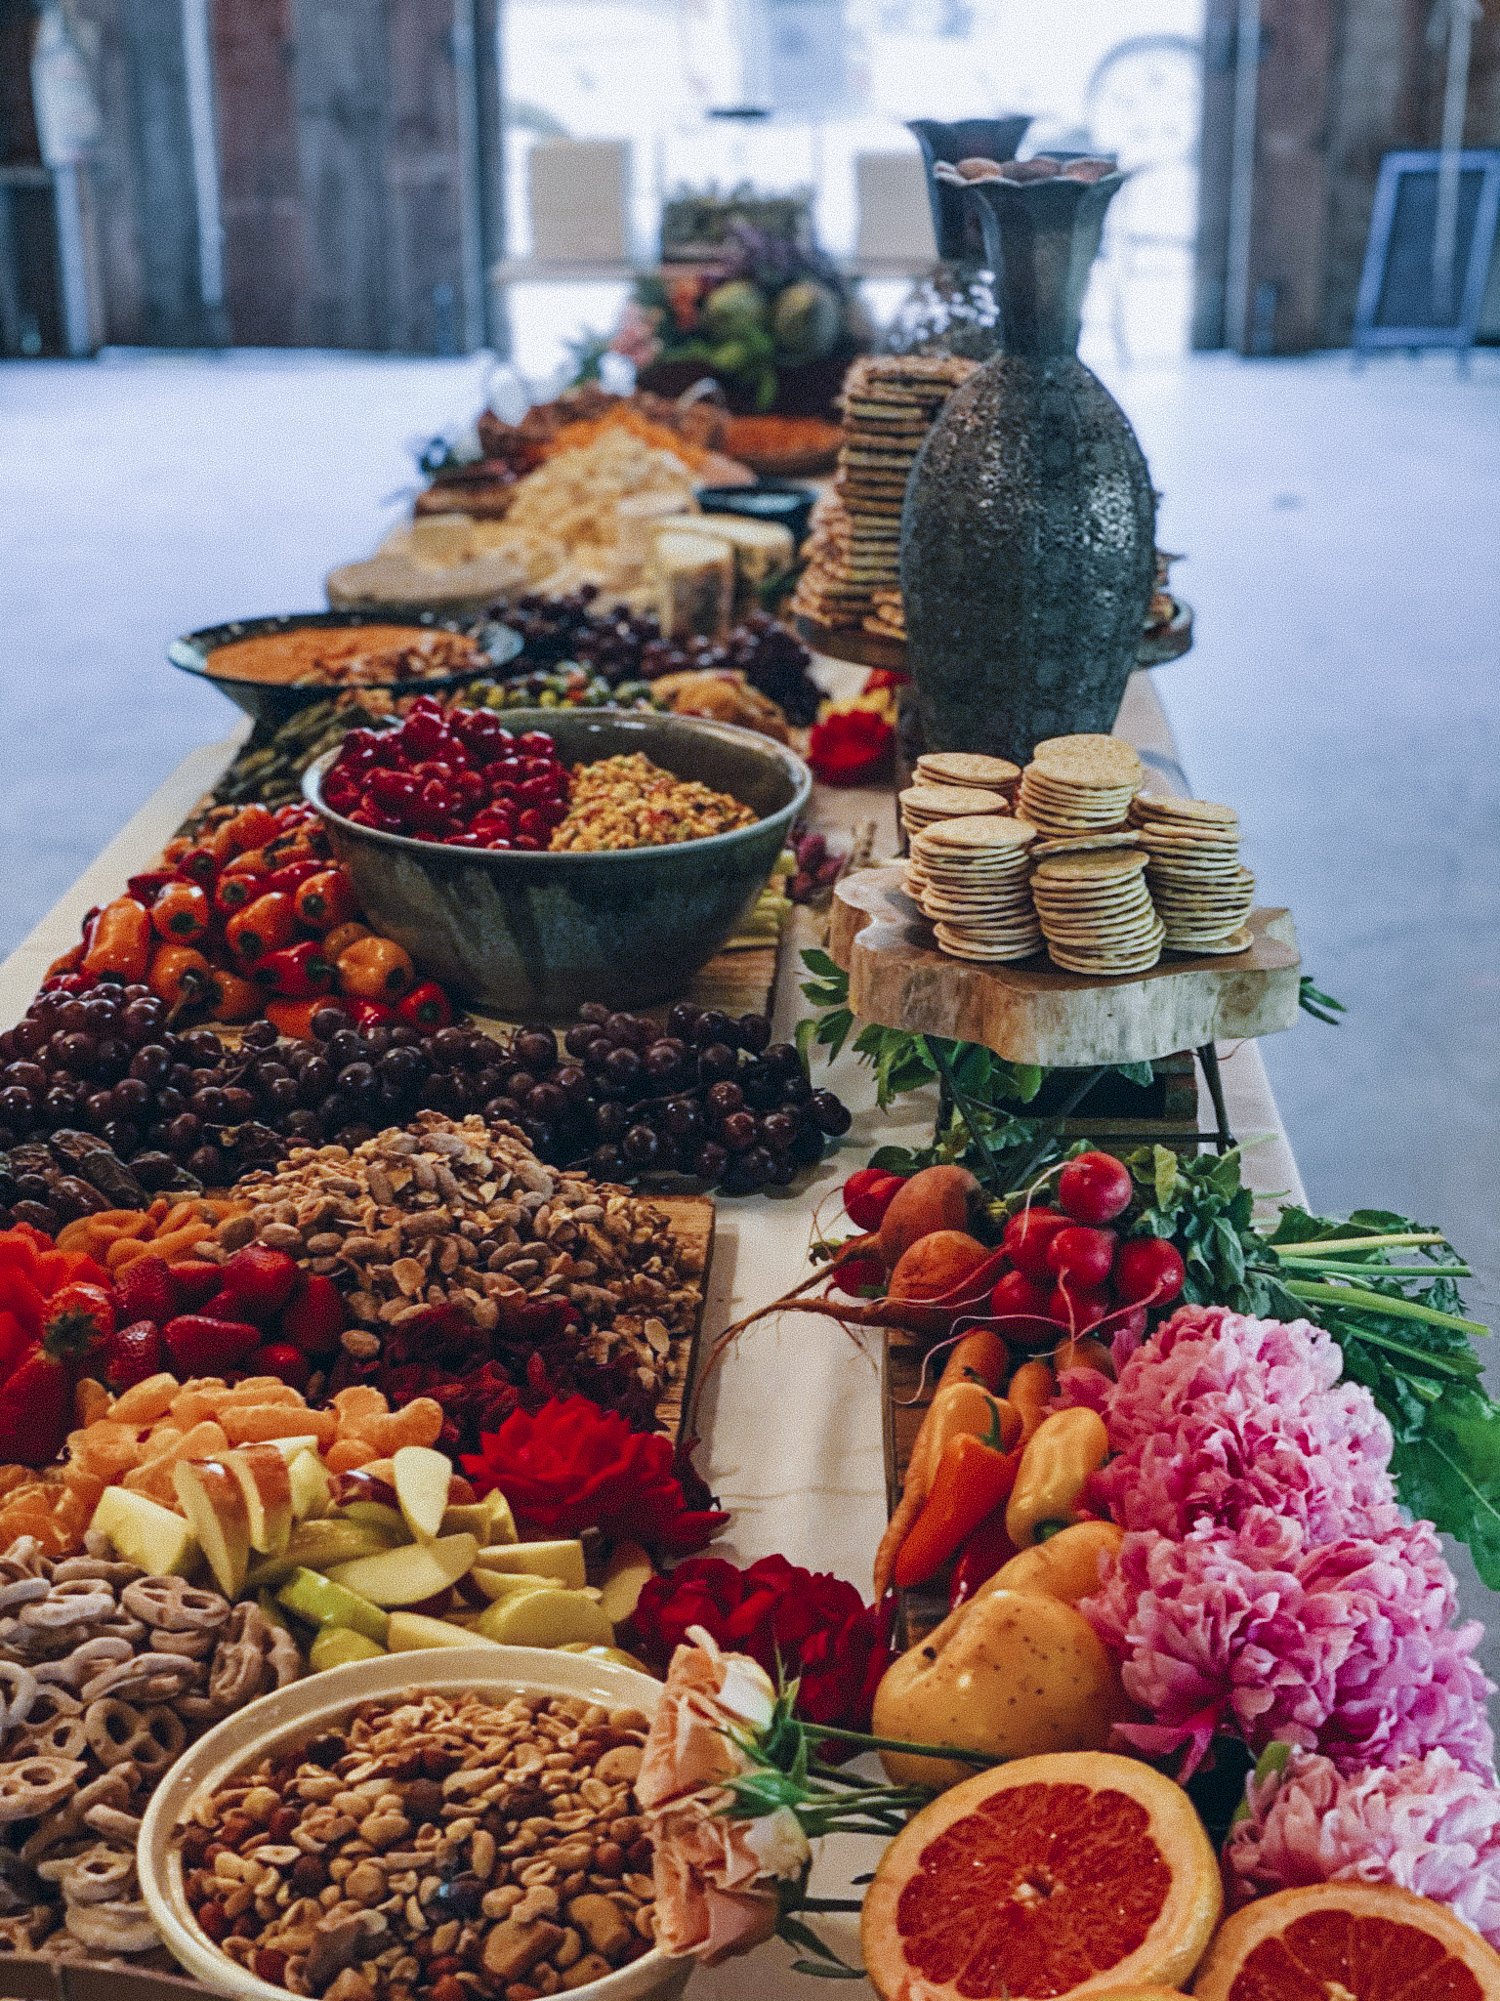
(342, 95)
(1215, 172)
(426, 179)
(102, 30)
(172, 312)
(1288, 224)
(265, 237)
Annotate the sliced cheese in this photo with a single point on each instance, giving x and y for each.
(695, 583)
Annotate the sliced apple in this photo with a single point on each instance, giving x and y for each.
(158, 1539)
(626, 1575)
(616, 1654)
(545, 1619)
(312, 1491)
(511, 1583)
(332, 1646)
(407, 1575)
(292, 1448)
(271, 1612)
(323, 1602)
(377, 1514)
(421, 1478)
(409, 1631)
(266, 1484)
(212, 1501)
(541, 1559)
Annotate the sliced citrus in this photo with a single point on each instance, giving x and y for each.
(1348, 1942)
(1073, 1873)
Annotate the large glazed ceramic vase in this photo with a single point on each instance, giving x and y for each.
(1028, 536)
(951, 309)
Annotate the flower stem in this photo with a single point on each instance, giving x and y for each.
(980, 1759)
(1319, 1247)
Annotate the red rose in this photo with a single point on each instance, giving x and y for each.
(572, 1466)
(797, 1623)
(850, 746)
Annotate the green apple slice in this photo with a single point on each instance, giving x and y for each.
(377, 1514)
(545, 1619)
(410, 1631)
(334, 1645)
(407, 1575)
(145, 1533)
(542, 1559)
(511, 1583)
(266, 1484)
(626, 1575)
(421, 1478)
(212, 1501)
(324, 1602)
(312, 1491)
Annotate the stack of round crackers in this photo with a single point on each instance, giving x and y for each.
(890, 404)
(1079, 784)
(971, 877)
(1193, 870)
(1096, 912)
(967, 767)
(922, 805)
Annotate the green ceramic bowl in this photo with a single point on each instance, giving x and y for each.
(533, 936)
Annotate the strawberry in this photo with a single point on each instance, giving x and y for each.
(194, 1280)
(133, 1353)
(36, 1407)
(148, 1291)
(258, 1281)
(280, 1359)
(201, 1345)
(314, 1315)
(77, 1317)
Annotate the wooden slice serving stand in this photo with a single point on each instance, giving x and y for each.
(876, 649)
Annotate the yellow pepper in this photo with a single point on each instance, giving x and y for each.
(1055, 1464)
(1065, 1566)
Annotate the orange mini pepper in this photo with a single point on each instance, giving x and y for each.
(375, 969)
(974, 1477)
(180, 974)
(181, 912)
(120, 943)
(1030, 1391)
(235, 999)
(262, 926)
(337, 941)
(293, 1018)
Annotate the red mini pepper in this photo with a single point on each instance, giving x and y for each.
(326, 898)
(297, 972)
(368, 1014)
(426, 1006)
(287, 880)
(147, 886)
(235, 892)
(181, 912)
(985, 1549)
(199, 864)
(261, 927)
(120, 943)
(973, 1478)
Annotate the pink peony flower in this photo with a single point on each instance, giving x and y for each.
(1427, 1825)
(1219, 1415)
(1346, 1648)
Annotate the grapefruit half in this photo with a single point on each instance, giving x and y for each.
(1348, 1942)
(1077, 1872)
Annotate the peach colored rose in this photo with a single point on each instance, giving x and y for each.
(715, 1874)
(710, 1699)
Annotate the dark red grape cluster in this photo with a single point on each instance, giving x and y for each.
(624, 645)
(456, 776)
(706, 1096)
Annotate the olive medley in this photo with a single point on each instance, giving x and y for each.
(708, 1097)
(626, 645)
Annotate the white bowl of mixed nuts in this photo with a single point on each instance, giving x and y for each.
(472, 1838)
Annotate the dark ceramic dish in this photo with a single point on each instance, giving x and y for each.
(271, 702)
(777, 500)
(533, 936)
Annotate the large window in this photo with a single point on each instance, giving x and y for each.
(838, 78)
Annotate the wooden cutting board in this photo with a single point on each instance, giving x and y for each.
(692, 1221)
(1033, 1012)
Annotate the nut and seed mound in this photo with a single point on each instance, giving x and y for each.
(629, 802)
(456, 1848)
(106, 1674)
(454, 1225)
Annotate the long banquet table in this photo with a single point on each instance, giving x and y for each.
(791, 1425)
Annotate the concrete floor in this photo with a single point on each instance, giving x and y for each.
(1340, 533)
